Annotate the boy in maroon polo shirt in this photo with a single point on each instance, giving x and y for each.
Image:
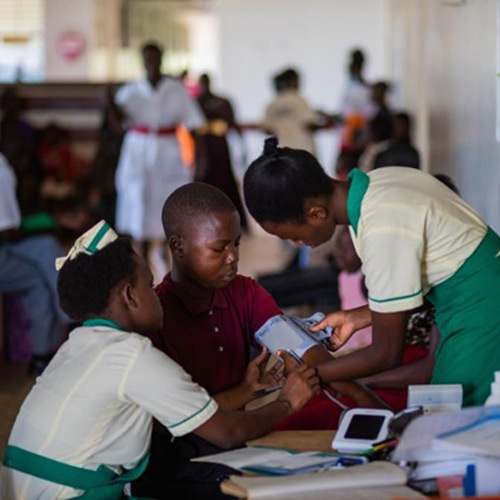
(210, 316)
(211, 312)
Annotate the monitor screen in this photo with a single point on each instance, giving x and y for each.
(364, 427)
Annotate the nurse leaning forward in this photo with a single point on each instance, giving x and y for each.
(417, 241)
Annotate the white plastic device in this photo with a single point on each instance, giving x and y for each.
(436, 398)
(360, 428)
(494, 397)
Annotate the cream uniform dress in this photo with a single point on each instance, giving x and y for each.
(288, 117)
(416, 238)
(150, 165)
(94, 405)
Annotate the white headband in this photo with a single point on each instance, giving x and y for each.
(92, 241)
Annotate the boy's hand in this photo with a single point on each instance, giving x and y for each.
(344, 324)
(299, 387)
(256, 376)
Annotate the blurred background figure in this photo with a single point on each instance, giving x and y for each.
(292, 120)
(400, 150)
(213, 159)
(28, 276)
(63, 170)
(289, 116)
(101, 179)
(357, 106)
(18, 142)
(150, 165)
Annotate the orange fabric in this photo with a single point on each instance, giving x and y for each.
(353, 124)
(186, 144)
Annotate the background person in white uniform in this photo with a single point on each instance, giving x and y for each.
(289, 116)
(92, 410)
(150, 165)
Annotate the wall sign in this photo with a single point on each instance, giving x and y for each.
(70, 45)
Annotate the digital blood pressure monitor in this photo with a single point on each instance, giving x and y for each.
(360, 428)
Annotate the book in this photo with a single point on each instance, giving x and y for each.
(364, 479)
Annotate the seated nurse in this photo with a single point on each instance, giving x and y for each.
(84, 429)
(416, 238)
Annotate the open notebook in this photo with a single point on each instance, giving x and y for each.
(377, 480)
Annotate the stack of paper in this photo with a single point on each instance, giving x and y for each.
(451, 443)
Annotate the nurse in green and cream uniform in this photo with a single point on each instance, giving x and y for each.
(84, 430)
(417, 240)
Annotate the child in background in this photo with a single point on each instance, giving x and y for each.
(85, 427)
(351, 286)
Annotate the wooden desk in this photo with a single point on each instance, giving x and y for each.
(297, 440)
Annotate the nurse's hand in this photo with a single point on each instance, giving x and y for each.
(344, 324)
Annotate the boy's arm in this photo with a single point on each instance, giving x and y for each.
(256, 378)
(363, 396)
(228, 429)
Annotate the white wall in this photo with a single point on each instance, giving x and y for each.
(463, 48)
(260, 37)
(446, 66)
(61, 16)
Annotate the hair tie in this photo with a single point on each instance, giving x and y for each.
(271, 147)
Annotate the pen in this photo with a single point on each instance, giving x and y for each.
(267, 390)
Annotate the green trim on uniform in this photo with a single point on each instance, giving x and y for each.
(101, 484)
(41, 221)
(469, 323)
(359, 185)
(192, 416)
(392, 299)
(92, 248)
(102, 322)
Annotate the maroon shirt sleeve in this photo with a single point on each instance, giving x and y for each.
(261, 307)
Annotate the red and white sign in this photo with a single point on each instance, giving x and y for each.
(70, 45)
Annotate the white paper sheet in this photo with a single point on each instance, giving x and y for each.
(237, 459)
(480, 439)
(417, 442)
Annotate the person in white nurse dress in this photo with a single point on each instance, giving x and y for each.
(150, 165)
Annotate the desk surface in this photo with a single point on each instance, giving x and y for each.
(297, 440)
